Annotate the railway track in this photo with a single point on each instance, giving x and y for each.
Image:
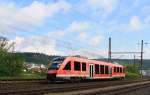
(20, 80)
(112, 90)
(43, 87)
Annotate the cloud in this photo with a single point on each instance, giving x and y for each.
(93, 9)
(104, 5)
(146, 9)
(95, 40)
(83, 30)
(40, 44)
(99, 8)
(83, 36)
(78, 26)
(147, 20)
(136, 3)
(75, 26)
(39, 10)
(51, 42)
(14, 18)
(135, 23)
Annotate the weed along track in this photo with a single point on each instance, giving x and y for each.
(44, 87)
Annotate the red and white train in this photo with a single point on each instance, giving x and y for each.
(73, 68)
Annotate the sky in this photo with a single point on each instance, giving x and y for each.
(76, 27)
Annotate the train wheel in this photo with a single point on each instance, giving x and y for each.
(75, 79)
(122, 78)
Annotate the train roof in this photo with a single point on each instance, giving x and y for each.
(95, 61)
(58, 58)
(85, 60)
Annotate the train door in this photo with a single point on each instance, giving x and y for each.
(110, 71)
(91, 70)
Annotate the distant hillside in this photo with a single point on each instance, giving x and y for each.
(146, 62)
(37, 58)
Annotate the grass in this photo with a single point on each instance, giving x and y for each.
(26, 75)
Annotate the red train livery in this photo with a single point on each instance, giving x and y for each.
(81, 68)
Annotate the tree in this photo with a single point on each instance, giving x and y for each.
(11, 64)
(132, 71)
(3, 42)
(5, 45)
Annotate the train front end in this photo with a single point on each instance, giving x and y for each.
(54, 67)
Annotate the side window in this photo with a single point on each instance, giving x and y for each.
(117, 69)
(68, 66)
(77, 66)
(83, 66)
(96, 69)
(106, 70)
(120, 70)
(102, 69)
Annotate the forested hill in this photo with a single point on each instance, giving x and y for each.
(146, 62)
(37, 58)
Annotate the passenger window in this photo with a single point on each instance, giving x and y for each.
(77, 66)
(117, 69)
(96, 69)
(120, 70)
(102, 69)
(83, 66)
(68, 66)
(106, 70)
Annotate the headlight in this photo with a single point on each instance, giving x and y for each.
(58, 65)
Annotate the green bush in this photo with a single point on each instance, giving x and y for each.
(132, 75)
(11, 64)
(132, 71)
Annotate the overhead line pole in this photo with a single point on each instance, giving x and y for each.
(142, 52)
(134, 62)
(109, 50)
(141, 59)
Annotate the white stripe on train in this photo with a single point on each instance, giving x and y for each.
(113, 76)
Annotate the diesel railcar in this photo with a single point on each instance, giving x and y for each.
(75, 68)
